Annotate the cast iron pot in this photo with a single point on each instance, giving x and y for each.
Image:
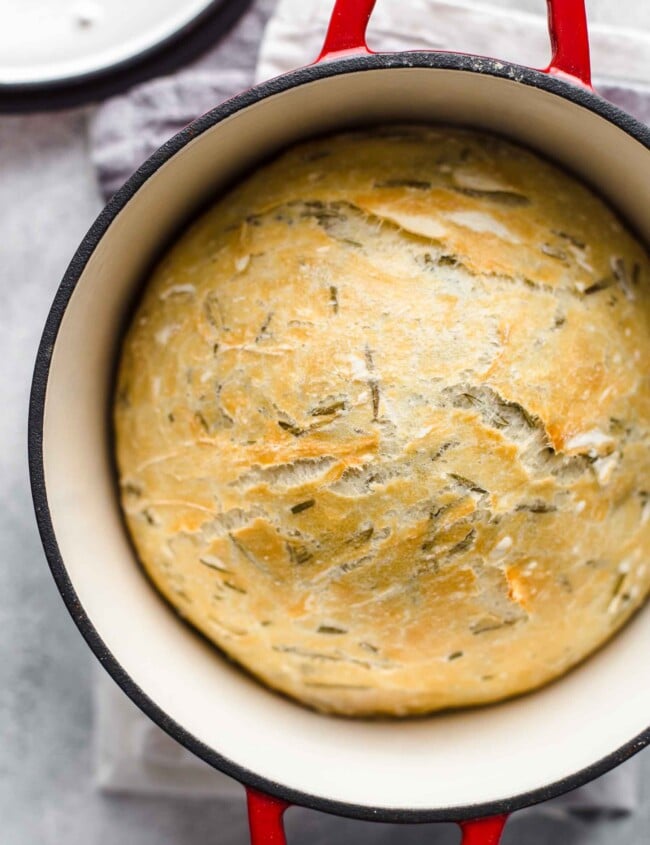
(472, 764)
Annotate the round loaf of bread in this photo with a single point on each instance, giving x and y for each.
(383, 422)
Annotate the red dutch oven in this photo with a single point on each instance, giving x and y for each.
(472, 766)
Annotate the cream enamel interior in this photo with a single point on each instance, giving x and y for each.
(449, 760)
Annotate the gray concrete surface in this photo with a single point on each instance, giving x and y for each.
(47, 200)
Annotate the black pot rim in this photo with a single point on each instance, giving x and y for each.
(180, 47)
(447, 61)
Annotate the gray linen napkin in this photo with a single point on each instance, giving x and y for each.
(128, 128)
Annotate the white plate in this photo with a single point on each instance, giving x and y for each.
(42, 41)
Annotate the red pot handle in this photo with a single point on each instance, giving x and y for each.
(265, 818)
(483, 831)
(567, 25)
(267, 827)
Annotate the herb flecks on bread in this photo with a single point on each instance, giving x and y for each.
(383, 422)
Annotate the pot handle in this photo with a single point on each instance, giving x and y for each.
(567, 25)
(265, 818)
(267, 827)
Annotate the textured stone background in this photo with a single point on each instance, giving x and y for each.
(48, 198)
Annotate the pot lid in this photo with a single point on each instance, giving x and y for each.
(61, 53)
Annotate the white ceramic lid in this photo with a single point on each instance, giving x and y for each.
(46, 40)
(62, 53)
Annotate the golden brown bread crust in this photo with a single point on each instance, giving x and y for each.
(383, 421)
